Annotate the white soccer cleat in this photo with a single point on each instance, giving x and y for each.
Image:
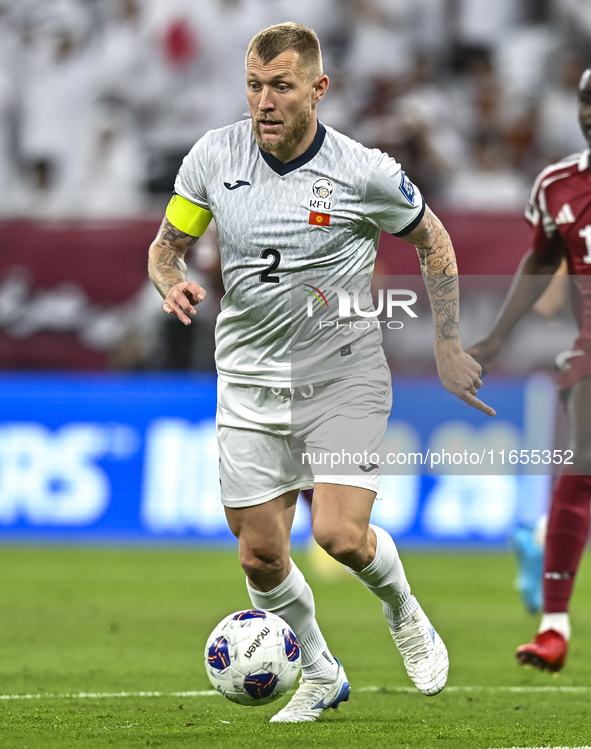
(313, 698)
(423, 652)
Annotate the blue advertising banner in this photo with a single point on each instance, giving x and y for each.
(124, 457)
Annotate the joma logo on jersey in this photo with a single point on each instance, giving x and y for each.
(394, 299)
(322, 189)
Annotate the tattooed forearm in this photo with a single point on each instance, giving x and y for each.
(434, 247)
(439, 269)
(166, 266)
(440, 286)
(445, 315)
(170, 258)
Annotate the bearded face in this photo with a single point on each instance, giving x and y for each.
(282, 98)
(288, 134)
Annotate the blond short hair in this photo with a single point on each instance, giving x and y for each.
(270, 42)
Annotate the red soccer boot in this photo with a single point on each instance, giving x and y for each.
(548, 650)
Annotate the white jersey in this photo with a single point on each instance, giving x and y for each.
(281, 225)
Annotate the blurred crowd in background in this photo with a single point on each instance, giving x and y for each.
(100, 99)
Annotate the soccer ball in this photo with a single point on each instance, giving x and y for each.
(252, 657)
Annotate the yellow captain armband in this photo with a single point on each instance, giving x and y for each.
(187, 217)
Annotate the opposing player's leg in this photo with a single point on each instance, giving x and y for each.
(527, 541)
(568, 530)
(340, 522)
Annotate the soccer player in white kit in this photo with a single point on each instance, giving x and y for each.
(291, 197)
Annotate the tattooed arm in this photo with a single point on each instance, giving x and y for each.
(168, 272)
(459, 373)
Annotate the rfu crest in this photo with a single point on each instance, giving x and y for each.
(322, 189)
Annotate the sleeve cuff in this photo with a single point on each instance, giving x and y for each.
(413, 224)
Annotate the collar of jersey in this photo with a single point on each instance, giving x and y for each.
(286, 167)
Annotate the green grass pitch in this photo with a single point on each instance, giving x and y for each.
(112, 623)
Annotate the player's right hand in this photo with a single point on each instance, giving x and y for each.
(181, 299)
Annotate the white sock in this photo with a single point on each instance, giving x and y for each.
(385, 578)
(559, 622)
(293, 601)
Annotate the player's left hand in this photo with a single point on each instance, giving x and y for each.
(460, 375)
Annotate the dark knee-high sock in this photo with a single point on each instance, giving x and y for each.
(568, 530)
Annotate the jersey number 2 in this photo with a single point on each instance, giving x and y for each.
(265, 276)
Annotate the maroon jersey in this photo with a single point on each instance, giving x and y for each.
(560, 214)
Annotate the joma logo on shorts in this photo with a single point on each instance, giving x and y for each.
(256, 643)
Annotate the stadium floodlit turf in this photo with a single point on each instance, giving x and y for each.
(101, 648)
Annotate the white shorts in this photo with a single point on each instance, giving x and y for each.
(274, 440)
